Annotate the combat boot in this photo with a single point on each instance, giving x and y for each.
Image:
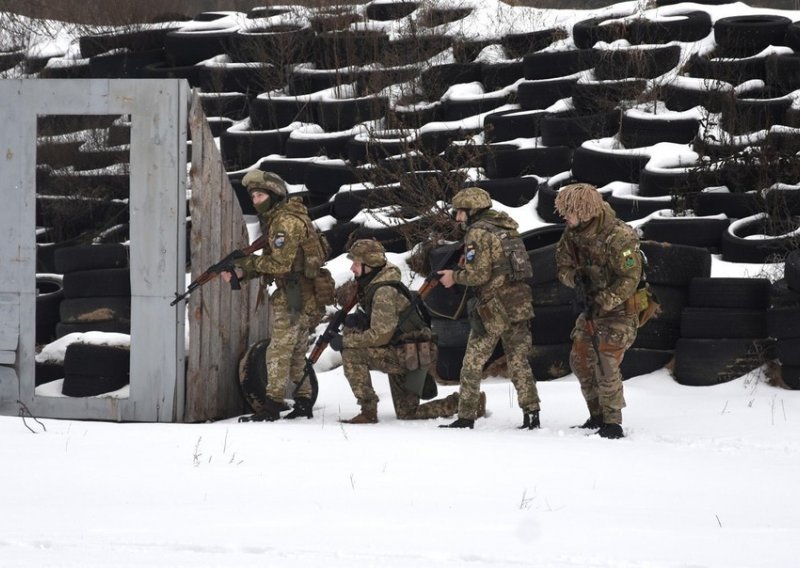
(270, 413)
(302, 407)
(530, 420)
(460, 423)
(366, 416)
(482, 405)
(611, 431)
(592, 423)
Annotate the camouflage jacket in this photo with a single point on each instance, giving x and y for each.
(607, 252)
(286, 229)
(286, 226)
(384, 305)
(485, 266)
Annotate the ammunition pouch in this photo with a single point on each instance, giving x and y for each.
(416, 355)
(646, 305)
(324, 287)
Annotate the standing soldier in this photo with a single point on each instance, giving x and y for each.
(387, 333)
(495, 268)
(599, 255)
(293, 254)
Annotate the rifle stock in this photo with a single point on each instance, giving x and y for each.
(227, 264)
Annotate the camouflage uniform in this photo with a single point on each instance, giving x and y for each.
(501, 307)
(606, 251)
(374, 349)
(293, 304)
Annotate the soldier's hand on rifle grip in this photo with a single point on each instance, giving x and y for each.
(233, 275)
(446, 278)
(335, 342)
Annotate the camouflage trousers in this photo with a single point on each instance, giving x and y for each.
(286, 352)
(516, 338)
(601, 381)
(358, 362)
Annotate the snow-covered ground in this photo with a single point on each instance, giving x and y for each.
(706, 477)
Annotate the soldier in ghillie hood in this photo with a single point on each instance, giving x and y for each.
(495, 268)
(598, 254)
(388, 333)
(291, 260)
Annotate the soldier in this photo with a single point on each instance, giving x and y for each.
(289, 259)
(387, 333)
(495, 265)
(599, 255)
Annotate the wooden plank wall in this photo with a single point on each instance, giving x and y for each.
(222, 322)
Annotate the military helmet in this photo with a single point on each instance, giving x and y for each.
(580, 199)
(368, 251)
(259, 180)
(472, 198)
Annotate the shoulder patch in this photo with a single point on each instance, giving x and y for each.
(279, 240)
(470, 252)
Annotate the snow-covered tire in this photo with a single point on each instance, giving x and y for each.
(737, 247)
(707, 362)
(641, 361)
(741, 36)
(91, 257)
(675, 265)
(705, 232)
(729, 292)
(552, 64)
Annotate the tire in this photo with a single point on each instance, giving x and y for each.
(546, 204)
(694, 26)
(552, 64)
(790, 374)
(292, 171)
(641, 361)
(662, 182)
(521, 44)
(253, 378)
(727, 323)
(508, 125)
(542, 161)
(334, 147)
(495, 76)
(540, 94)
(603, 96)
(512, 192)
(99, 282)
(553, 324)
(349, 47)
(549, 361)
(737, 247)
(732, 205)
(744, 293)
(242, 148)
(673, 299)
(269, 111)
(88, 310)
(134, 40)
(335, 115)
(91, 257)
(704, 232)
(601, 167)
(792, 270)
(450, 332)
(639, 62)
(707, 362)
(339, 236)
(637, 130)
(783, 323)
(383, 11)
(588, 32)
(187, 47)
(789, 350)
(781, 296)
(658, 334)
(713, 95)
(742, 36)
(123, 65)
(572, 130)
(110, 326)
(279, 44)
(435, 80)
(246, 79)
(551, 293)
(732, 71)
(753, 114)
(47, 372)
(49, 295)
(675, 265)
(631, 207)
(91, 370)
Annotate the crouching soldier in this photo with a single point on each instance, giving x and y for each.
(598, 254)
(387, 333)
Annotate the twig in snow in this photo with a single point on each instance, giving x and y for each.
(525, 502)
(25, 411)
(718, 521)
(197, 453)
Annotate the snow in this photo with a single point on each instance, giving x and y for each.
(706, 477)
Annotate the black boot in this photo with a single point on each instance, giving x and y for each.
(611, 432)
(530, 420)
(302, 407)
(592, 423)
(270, 413)
(460, 423)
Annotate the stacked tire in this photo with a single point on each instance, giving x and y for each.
(723, 330)
(783, 321)
(92, 370)
(97, 289)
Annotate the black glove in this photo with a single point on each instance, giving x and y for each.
(336, 342)
(357, 320)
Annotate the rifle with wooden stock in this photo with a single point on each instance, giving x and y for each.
(227, 264)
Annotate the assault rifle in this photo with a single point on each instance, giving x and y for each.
(227, 264)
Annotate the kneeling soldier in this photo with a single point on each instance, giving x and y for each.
(387, 333)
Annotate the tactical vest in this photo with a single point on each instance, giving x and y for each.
(516, 263)
(411, 323)
(313, 250)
